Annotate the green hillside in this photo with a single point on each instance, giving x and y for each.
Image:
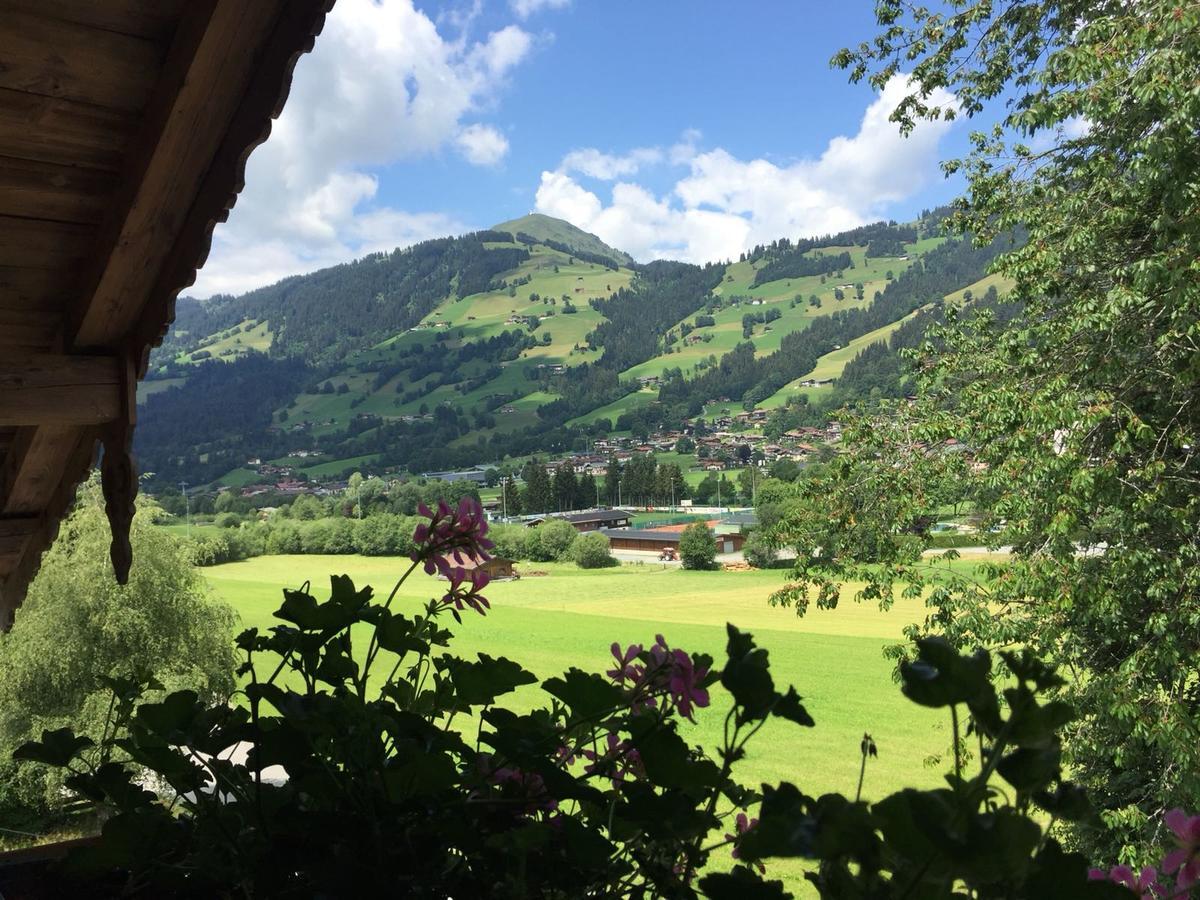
(548, 228)
(791, 298)
(466, 350)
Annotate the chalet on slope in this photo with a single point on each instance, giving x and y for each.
(125, 126)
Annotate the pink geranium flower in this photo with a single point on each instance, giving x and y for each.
(1186, 857)
(743, 824)
(452, 536)
(681, 677)
(465, 590)
(1144, 884)
(624, 669)
(618, 762)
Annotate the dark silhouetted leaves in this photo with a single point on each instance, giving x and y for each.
(56, 748)
(480, 683)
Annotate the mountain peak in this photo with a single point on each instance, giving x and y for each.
(545, 227)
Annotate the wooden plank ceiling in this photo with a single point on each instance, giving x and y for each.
(124, 130)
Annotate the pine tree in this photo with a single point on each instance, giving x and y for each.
(539, 493)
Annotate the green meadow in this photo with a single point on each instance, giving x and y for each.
(567, 617)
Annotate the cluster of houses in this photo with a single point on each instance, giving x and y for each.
(720, 449)
(616, 525)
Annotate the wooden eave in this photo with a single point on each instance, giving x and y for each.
(125, 126)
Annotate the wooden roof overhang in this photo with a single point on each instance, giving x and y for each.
(125, 126)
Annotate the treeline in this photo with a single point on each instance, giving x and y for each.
(641, 481)
(858, 237)
(879, 371)
(207, 426)
(324, 315)
(388, 534)
(582, 255)
(797, 265)
(638, 316)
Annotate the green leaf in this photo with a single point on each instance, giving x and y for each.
(1032, 724)
(1031, 769)
(668, 759)
(112, 782)
(1057, 875)
(747, 676)
(344, 606)
(420, 774)
(397, 634)
(1067, 801)
(789, 707)
(480, 683)
(741, 884)
(56, 748)
(785, 826)
(586, 694)
(170, 720)
(940, 676)
(337, 666)
(586, 847)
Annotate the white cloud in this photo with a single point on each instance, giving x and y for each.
(606, 166)
(526, 8)
(382, 85)
(724, 205)
(482, 145)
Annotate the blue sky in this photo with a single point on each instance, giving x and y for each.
(671, 129)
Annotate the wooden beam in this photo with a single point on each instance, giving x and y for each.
(73, 62)
(40, 244)
(62, 131)
(33, 466)
(57, 389)
(14, 532)
(154, 19)
(40, 190)
(294, 35)
(29, 289)
(79, 453)
(213, 57)
(29, 330)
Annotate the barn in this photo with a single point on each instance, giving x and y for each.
(596, 519)
(498, 567)
(652, 541)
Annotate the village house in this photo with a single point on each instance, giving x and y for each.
(498, 568)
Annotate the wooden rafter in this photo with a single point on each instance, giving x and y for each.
(124, 130)
(57, 389)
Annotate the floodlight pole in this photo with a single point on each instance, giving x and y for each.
(187, 507)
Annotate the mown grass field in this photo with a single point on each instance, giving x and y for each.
(569, 617)
(236, 341)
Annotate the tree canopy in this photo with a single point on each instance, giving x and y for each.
(1071, 415)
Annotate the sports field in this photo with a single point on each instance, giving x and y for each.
(568, 617)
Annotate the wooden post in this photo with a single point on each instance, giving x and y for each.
(118, 475)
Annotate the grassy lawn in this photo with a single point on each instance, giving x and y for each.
(569, 617)
(614, 410)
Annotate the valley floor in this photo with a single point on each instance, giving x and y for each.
(558, 616)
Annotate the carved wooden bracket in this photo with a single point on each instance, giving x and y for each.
(118, 474)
